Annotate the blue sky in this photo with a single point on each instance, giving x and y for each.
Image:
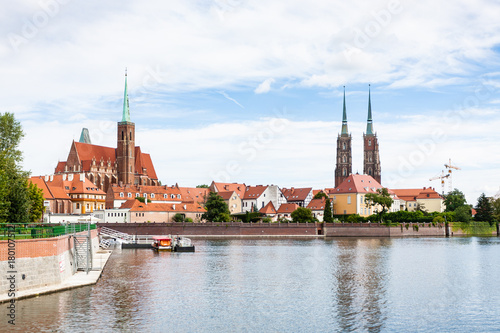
(251, 91)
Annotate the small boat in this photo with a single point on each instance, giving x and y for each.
(162, 243)
(182, 244)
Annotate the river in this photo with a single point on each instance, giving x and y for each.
(284, 285)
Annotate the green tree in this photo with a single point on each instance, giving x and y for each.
(178, 217)
(217, 210)
(382, 198)
(302, 214)
(202, 186)
(327, 212)
(320, 195)
(495, 204)
(484, 209)
(35, 195)
(453, 200)
(463, 214)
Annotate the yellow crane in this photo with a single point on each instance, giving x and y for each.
(442, 177)
(450, 166)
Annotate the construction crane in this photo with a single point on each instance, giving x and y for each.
(450, 166)
(442, 177)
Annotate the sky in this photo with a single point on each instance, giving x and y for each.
(251, 91)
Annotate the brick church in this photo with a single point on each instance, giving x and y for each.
(105, 166)
(371, 158)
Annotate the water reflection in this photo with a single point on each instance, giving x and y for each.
(374, 285)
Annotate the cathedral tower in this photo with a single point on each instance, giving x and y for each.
(344, 151)
(125, 151)
(371, 160)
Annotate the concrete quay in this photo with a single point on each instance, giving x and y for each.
(79, 279)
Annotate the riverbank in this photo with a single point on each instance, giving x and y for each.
(79, 279)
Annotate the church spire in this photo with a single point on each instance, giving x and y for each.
(369, 124)
(126, 110)
(344, 119)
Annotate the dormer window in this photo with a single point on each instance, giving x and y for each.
(121, 194)
(178, 196)
(152, 195)
(137, 195)
(165, 196)
(129, 195)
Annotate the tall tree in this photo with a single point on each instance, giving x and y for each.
(37, 208)
(320, 195)
(217, 210)
(327, 212)
(484, 209)
(453, 200)
(382, 198)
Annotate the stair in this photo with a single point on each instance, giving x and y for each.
(116, 235)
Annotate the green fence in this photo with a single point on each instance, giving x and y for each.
(30, 231)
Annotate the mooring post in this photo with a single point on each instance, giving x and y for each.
(498, 229)
(446, 227)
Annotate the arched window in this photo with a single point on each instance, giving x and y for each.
(344, 146)
(369, 142)
(343, 159)
(344, 172)
(123, 135)
(130, 137)
(370, 171)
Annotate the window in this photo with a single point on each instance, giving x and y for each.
(172, 196)
(77, 205)
(178, 196)
(121, 194)
(152, 195)
(369, 142)
(348, 200)
(123, 135)
(344, 172)
(129, 195)
(137, 195)
(343, 146)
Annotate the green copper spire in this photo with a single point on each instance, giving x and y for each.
(344, 120)
(126, 110)
(369, 125)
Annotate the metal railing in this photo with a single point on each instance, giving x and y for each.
(32, 230)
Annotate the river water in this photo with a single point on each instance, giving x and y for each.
(284, 285)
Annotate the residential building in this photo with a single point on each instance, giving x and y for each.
(300, 196)
(269, 211)
(317, 207)
(349, 197)
(259, 196)
(426, 198)
(162, 212)
(117, 195)
(285, 211)
(225, 187)
(232, 200)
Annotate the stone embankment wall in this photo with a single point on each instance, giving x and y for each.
(279, 229)
(39, 262)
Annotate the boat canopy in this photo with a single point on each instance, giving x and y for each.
(160, 238)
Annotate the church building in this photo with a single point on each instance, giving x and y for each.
(105, 166)
(371, 159)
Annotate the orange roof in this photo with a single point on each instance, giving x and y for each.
(356, 183)
(87, 151)
(296, 194)
(268, 209)
(60, 167)
(40, 183)
(194, 194)
(253, 192)
(143, 163)
(60, 186)
(413, 194)
(287, 208)
(224, 187)
(226, 195)
(317, 204)
(138, 206)
(317, 191)
(161, 193)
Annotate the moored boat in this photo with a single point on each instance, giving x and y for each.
(182, 244)
(162, 243)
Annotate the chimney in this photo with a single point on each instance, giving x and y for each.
(82, 177)
(64, 177)
(173, 207)
(46, 178)
(51, 178)
(185, 207)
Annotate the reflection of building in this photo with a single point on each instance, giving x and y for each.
(426, 199)
(105, 166)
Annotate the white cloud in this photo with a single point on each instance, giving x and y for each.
(264, 87)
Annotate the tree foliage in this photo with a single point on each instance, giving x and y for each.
(20, 201)
(202, 186)
(453, 200)
(382, 198)
(484, 209)
(303, 215)
(327, 212)
(178, 217)
(217, 210)
(463, 214)
(320, 195)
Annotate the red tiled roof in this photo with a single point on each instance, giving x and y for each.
(238, 188)
(287, 208)
(40, 183)
(413, 194)
(356, 183)
(158, 191)
(143, 161)
(268, 209)
(253, 192)
(317, 204)
(60, 167)
(138, 206)
(87, 151)
(194, 194)
(226, 195)
(428, 193)
(296, 194)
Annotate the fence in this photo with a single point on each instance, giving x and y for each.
(30, 231)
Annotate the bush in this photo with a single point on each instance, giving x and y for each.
(178, 217)
(188, 219)
(266, 220)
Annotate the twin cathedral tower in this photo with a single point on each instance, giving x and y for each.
(371, 159)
